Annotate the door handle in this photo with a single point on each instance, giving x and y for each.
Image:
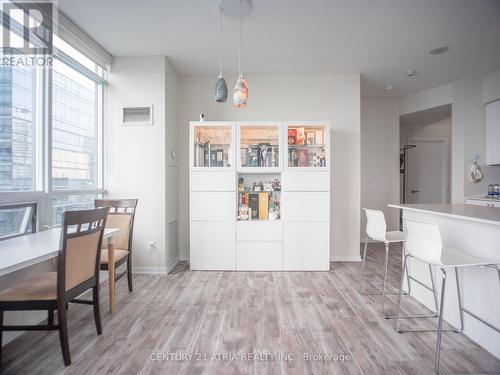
(415, 191)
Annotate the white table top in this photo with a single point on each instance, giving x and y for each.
(20, 252)
(481, 214)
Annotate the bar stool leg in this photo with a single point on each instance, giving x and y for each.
(386, 264)
(403, 252)
(440, 324)
(363, 266)
(434, 292)
(396, 315)
(460, 306)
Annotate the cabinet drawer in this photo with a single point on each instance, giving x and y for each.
(259, 256)
(212, 246)
(212, 181)
(306, 181)
(306, 206)
(306, 246)
(270, 231)
(212, 206)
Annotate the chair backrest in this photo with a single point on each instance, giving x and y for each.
(80, 254)
(423, 241)
(376, 226)
(121, 215)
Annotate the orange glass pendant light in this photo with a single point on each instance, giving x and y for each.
(240, 93)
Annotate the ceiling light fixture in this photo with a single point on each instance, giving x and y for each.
(238, 8)
(220, 89)
(411, 72)
(440, 50)
(388, 87)
(240, 94)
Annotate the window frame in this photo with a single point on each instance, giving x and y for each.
(101, 86)
(34, 218)
(42, 192)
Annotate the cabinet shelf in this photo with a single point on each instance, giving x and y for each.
(259, 170)
(259, 197)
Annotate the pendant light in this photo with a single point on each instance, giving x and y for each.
(220, 89)
(240, 94)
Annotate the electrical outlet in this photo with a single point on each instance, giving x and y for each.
(151, 245)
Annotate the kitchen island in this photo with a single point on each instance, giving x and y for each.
(474, 230)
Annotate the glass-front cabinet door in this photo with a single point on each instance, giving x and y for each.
(259, 146)
(308, 145)
(212, 145)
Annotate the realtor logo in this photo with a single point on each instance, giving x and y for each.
(27, 27)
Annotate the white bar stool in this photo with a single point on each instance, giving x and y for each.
(376, 227)
(424, 243)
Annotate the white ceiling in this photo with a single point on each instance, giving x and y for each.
(381, 39)
(426, 117)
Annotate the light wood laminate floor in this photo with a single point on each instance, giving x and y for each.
(224, 316)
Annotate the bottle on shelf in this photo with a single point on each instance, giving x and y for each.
(491, 192)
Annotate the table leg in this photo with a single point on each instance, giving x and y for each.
(111, 270)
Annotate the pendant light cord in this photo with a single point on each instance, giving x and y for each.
(239, 45)
(220, 42)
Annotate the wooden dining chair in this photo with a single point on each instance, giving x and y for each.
(77, 271)
(121, 215)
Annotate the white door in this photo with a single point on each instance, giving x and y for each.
(427, 171)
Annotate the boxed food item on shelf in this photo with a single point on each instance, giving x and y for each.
(263, 206)
(254, 205)
(258, 197)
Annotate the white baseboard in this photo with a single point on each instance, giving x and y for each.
(155, 270)
(149, 270)
(346, 258)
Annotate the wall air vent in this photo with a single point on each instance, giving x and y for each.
(137, 115)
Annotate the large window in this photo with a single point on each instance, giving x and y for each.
(76, 137)
(74, 129)
(51, 138)
(17, 128)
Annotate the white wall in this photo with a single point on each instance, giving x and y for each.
(380, 158)
(137, 161)
(436, 130)
(422, 100)
(171, 155)
(294, 97)
(491, 87)
(469, 137)
(467, 96)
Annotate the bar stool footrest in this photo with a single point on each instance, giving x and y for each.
(416, 316)
(481, 320)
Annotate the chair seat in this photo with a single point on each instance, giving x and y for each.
(451, 257)
(119, 254)
(395, 236)
(39, 288)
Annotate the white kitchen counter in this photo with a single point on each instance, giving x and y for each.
(481, 214)
(474, 230)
